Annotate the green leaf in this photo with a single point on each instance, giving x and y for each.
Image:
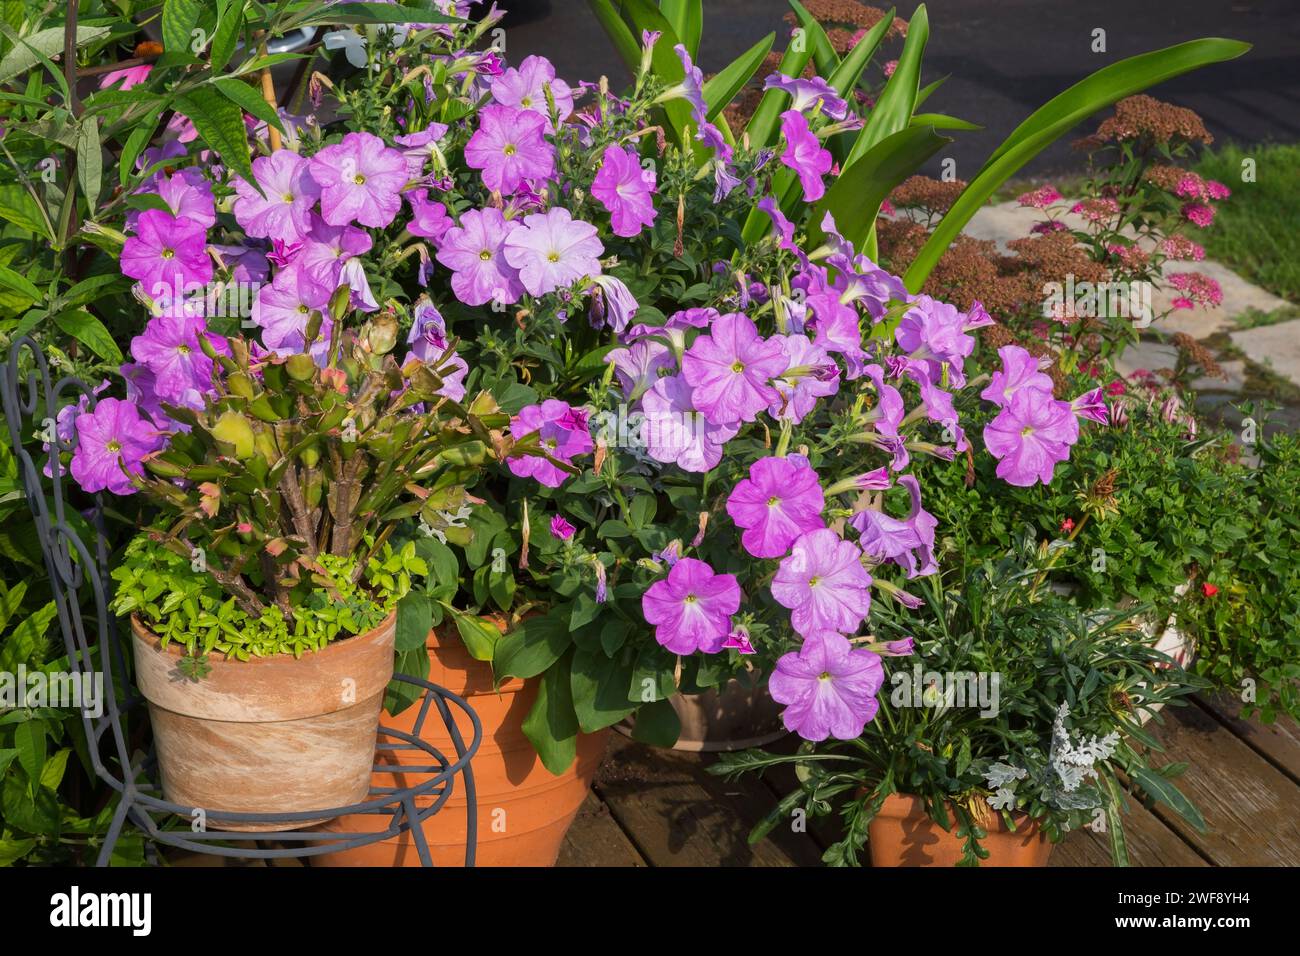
(399, 694)
(18, 206)
(534, 645)
(1055, 118)
(179, 18)
(12, 280)
(227, 35)
(823, 52)
(687, 18)
(414, 620)
(657, 724)
(134, 146)
(52, 773)
(29, 740)
(6, 758)
(29, 51)
(599, 690)
(720, 90)
(221, 124)
(552, 724)
(89, 160)
(1161, 790)
(627, 45)
(248, 99)
(90, 332)
(942, 121)
(645, 16)
(479, 634)
(893, 110)
(854, 198)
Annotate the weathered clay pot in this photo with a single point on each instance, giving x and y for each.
(740, 715)
(902, 834)
(268, 735)
(523, 809)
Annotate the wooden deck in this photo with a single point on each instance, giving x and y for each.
(661, 808)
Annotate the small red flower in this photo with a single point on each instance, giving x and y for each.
(1209, 589)
(1067, 525)
(1116, 387)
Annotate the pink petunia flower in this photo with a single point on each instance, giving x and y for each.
(824, 584)
(510, 146)
(553, 250)
(524, 88)
(361, 180)
(625, 189)
(780, 500)
(475, 253)
(1031, 434)
(112, 436)
(283, 209)
(829, 688)
(675, 432)
(731, 368)
(691, 608)
(805, 155)
(166, 253)
(561, 431)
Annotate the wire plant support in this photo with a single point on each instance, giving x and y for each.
(75, 548)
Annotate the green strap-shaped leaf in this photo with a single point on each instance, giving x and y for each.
(855, 197)
(687, 18)
(627, 45)
(227, 35)
(179, 17)
(1162, 791)
(42, 45)
(248, 99)
(942, 121)
(823, 52)
(645, 16)
(90, 332)
(893, 110)
(221, 124)
(722, 89)
(90, 160)
(1056, 117)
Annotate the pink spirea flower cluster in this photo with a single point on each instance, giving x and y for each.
(1196, 288)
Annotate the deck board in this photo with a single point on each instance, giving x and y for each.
(596, 840)
(1278, 743)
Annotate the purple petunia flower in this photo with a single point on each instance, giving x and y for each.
(562, 433)
(809, 375)
(166, 253)
(474, 252)
(823, 583)
(811, 92)
(805, 155)
(283, 209)
(510, 146)
(170, 347)
(428, 342)
(284, 308)
(691, 609)
(731, 368)
(326, 250)
(780, 500)
(625, 190)
(188, 195)
(111, 436)
(525, 89)
(908, 542)
(429, 220)
(553, 250)
(934, 333)
(675, 433)
(828, 687)
(1092, 405)
(561, 528)
(1019, 370)
(361, 180)
(1030, 435)
(613, 303)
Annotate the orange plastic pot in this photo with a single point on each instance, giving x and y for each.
(523, 809)
(903, 834)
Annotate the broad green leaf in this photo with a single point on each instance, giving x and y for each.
(722, 89)
(52, 773)
(625, 42)
(29, 741)
(599, 690)
(479, 634)
(854, 198)
(414, 619)
(552, 725)
(687, 18)
(30, 50)
(18, 206)
(249, 99)
(135, 145)
(1056, 117)
(897, 101)
(89, 160)
(90, 332)
(20, 284)
(657, 724)
(534, 645)
(179, 18)
(221, 124)
(227, 35)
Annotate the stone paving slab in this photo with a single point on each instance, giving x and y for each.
(1273, 346)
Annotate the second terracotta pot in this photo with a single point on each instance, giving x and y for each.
(903, 834)
(278, 734)
(524, 810)
(739, 715)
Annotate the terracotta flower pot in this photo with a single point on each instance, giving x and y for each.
(740, 715)
(268, 735)
(902, 834)
(523, 809)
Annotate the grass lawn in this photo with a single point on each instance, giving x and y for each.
(1255, 231)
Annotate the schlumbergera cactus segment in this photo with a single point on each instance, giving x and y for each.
(287, 461)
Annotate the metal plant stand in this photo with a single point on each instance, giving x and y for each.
(31, 403)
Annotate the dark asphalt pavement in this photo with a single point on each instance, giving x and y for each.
(1007, 57)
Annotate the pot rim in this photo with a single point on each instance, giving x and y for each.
(915, 806)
